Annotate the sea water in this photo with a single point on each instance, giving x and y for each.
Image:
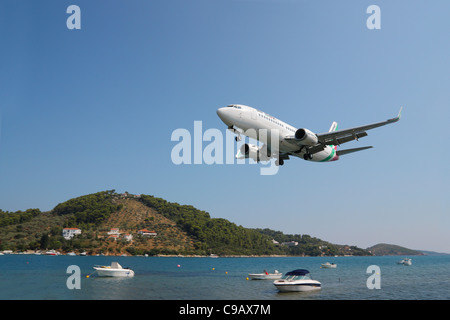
(40, 277)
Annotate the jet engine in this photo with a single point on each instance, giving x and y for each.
(253, 152)
(306, 137)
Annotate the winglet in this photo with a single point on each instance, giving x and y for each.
(400, 113)
(397, 117)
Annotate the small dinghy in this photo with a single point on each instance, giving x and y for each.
(265, 275)
(114, 270)
(328, 265)
(405, 262)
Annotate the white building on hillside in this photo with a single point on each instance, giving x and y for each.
(69, 233)
(114, 231)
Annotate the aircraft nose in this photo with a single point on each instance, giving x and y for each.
(220, 112)
(224, 115)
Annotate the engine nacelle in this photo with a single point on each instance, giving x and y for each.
(251, 151)
(306, 137)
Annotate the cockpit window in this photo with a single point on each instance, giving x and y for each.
(234, 106)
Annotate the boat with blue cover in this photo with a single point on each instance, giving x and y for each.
(297, 280)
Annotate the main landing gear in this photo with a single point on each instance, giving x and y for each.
(307, 155)
(279, 162)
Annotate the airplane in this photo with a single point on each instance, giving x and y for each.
(302, 143)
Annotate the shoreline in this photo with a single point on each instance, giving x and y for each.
(56, 253)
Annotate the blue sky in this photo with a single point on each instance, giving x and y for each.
(93, 109)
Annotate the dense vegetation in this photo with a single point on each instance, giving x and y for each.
(311, 246)
(213, 235)
(87, 211)
(197, 233)
(27, 234)
(10, 218)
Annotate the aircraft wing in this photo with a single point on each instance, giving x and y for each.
(346, 135)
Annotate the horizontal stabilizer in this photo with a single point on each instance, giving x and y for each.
(342, 152)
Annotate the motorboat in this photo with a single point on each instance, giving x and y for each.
(114, 270)
(405, 262)
(265, 275)
(328, 265)
(297, 280)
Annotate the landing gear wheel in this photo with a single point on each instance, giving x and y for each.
(279, 162)
(307, 156)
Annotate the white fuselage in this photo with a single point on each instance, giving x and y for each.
(253, 122)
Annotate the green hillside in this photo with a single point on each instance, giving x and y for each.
(384, 249)
(171, 228)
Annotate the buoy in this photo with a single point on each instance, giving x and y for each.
(214, 269)
(91, 274)
(226, 272)
(178, 265)
(246, 278)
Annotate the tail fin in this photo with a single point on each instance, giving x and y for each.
(333, 127)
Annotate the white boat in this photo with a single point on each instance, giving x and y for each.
(328, 265)
(405, 262)
(114, 270)
(52, 253)
(297, 280)
(265, 275)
